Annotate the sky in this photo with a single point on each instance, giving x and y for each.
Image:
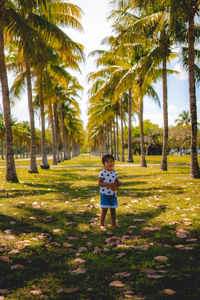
(96, 28)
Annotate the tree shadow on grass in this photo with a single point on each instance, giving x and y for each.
(48, 266)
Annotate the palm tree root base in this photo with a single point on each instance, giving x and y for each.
(44, 167)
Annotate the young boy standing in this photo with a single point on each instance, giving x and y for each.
(108, 182)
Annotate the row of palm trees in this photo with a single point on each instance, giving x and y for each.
(40, 53)
(145, 33)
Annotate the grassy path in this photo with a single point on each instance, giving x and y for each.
(51, 247)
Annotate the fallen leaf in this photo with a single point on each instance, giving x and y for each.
(122, 274)
(69, 223)
(17, 267)
(116, 284)
(161, 258)
(139, 220)
(154, 276)
(36, 292)
(80, 260)
(119, 255)
(79, 271)
(191, 240)
(70, 290)
(82, 249)
(15, 251)
(169, 292)
(4, 291)
(71, 238)
(148, 271)
(152, 228)
(67, 245)
(187, 223)
(57, 230)
(5, 258)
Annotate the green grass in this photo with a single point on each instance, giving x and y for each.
(68, 199)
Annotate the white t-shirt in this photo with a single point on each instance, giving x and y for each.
(108, 176)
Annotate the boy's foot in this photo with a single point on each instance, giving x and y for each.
(102, 228)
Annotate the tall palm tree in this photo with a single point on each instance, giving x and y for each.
(11, 174)
(188, 10)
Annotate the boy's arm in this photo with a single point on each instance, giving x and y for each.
(105, 184)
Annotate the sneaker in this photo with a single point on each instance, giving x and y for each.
(102, 228)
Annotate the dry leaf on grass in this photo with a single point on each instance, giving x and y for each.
(80, 260)
(187, 223)
(71, 238)
(36, 292)
(79, 271)
(82, 249)
(161, 258)
(154, 276)
(122, 274)
(57, 230)
(5, 258)
(68, 291)
(67, 245)
(15, 251)
(139, 220)
(116, 284)
(4, 291)
(69, 223)
(17, 267)
(169, 292)
(119, 255)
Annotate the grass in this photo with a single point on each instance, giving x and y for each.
(49, 229)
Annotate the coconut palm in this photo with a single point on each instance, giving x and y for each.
(187, 11)
(183, 118)
(152, 28)
(11, 174)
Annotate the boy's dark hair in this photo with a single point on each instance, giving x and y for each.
(106, 156)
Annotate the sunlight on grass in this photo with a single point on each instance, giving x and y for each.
(50, 238)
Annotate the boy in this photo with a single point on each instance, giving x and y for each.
(108, 182)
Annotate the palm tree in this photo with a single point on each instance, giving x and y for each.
(11, 174)
(188, 9)
(183, 118)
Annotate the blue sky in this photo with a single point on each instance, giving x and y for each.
(96, 28)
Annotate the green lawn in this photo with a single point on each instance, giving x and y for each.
(51, 246)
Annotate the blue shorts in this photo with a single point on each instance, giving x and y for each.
(108, 201)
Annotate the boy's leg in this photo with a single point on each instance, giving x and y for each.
(113, 216)
(103, 215)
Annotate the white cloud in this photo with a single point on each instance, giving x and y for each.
(183, 75)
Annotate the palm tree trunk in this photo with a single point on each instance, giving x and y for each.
(130, 155)
(143, 159)
(68, 144)
(111, 140)
(122, 130)
(117, 129)
(165, 118)
(57, 131)
(33, 162)
(114, 138)
(44, 163)
(2, 146)
(54, 152)
(63, 131)
(11, 174)
(194, 167)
